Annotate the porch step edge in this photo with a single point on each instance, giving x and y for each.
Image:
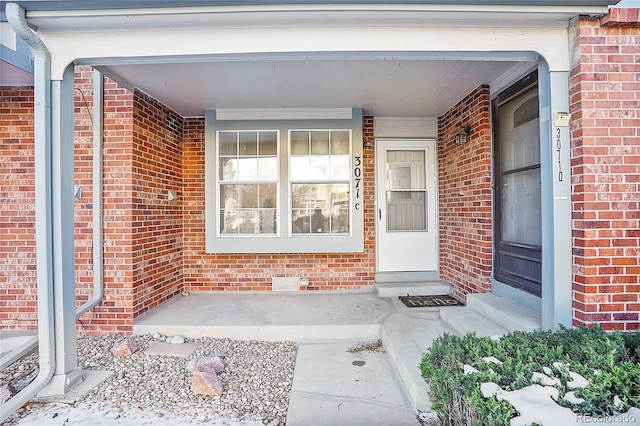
(414, 385)
(295, 333)
(414, 288)
(464, 320)
(504, 312)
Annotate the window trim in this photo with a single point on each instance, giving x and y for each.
(284, 241)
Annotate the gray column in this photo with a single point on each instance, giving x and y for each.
(66, 373)
(555, 154)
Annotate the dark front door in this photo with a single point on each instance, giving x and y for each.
(518, 220)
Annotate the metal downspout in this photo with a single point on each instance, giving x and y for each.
(44, 232)
(98, 128)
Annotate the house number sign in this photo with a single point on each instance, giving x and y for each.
(357, 174)
(558, 151)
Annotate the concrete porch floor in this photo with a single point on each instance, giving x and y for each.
(330, 383)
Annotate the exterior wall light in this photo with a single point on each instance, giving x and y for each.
(463, 135)
(367, 144)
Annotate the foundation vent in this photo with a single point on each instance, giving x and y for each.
(285, 284)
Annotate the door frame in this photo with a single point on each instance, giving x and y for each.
(396, 276)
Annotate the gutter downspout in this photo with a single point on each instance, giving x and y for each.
(98, 132)
(43, 214)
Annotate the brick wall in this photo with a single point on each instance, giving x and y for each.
(156, 225)
(17, 215)
(83, 177)
(605, 160)
(251, 272)
(465, 196)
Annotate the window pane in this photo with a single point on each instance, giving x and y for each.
(228, 221)
(228, 143)
(299, 143)
(229, 208)
(268, 143)
(339, 218)
(320, 167)
(340, 142)
(268, 196)
(302, 196)
(248, 169)
(248, 196)
(340, 167)
(519, 134)
(268, 221)
(300, 168)
(228, 168)
(319, 143)
(248, 143)
(268, 168)
(320, 208)
(406, 211)
(248, 209)
(229, 196)
(521, 211)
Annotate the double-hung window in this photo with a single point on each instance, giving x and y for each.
(320, 177)
(247, 182)
(284, 185)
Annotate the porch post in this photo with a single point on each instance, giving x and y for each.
(557, 261)
(66, 373)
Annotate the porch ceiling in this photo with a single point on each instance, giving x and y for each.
(382, 87)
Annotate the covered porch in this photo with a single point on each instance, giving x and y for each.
(414, 65)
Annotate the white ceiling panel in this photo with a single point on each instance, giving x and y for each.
(391, 87)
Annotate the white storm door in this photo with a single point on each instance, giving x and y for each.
(406, 176)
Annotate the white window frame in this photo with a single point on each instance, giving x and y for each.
(221, 182)
(283, 241)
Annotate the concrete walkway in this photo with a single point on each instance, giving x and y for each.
(341, 376)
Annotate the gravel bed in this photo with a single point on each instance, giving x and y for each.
(257, 381)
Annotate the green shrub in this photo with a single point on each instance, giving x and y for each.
(609, 361)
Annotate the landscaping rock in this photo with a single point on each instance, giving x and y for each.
(124, 348)
(177, 340)
(206, 383)
(6, 392)
(210, 363)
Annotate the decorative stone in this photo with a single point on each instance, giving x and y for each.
(206, 383)
(210, 363)
(177, 340)
(191, 365)
(158, 336)
(124, 348)
(6, 392)
(547, 371)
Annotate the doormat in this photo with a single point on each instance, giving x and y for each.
(429, 301)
